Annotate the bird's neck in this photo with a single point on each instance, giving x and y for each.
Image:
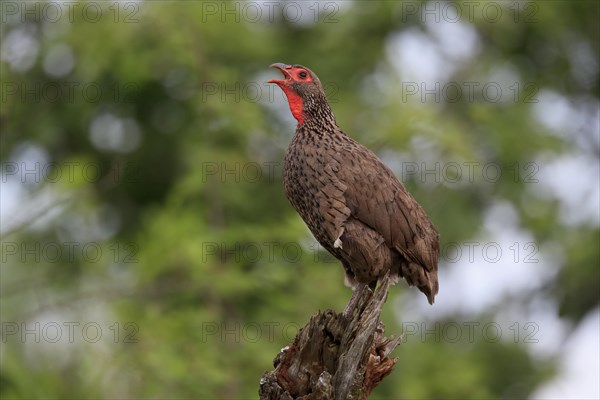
(317, 112)
(313, 110)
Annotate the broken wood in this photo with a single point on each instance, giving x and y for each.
(335, 356)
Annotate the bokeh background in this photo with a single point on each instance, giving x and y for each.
(148, 250)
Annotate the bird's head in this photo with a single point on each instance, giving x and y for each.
(303, 90)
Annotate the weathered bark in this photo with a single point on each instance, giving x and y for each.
(334, 356)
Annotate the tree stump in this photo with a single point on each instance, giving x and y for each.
(335, 356)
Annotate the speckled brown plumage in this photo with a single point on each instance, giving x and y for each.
(353, 203)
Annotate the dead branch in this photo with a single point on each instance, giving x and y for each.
(334, 356)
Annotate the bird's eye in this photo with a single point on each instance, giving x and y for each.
(302, 74)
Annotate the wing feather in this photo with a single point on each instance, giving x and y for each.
(378, 199)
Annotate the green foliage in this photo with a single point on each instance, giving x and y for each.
(199, 251)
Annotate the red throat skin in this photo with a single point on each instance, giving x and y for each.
(295, 103)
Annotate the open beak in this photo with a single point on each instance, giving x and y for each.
(284, 70)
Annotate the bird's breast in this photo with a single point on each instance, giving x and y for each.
(304, 179)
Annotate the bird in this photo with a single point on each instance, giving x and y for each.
(353, 204)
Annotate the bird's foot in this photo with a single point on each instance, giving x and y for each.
(356, 296)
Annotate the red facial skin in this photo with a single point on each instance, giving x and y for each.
(292, 75)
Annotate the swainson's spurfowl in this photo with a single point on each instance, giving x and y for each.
(351, 201)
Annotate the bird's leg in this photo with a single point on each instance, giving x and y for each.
(356, 295)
